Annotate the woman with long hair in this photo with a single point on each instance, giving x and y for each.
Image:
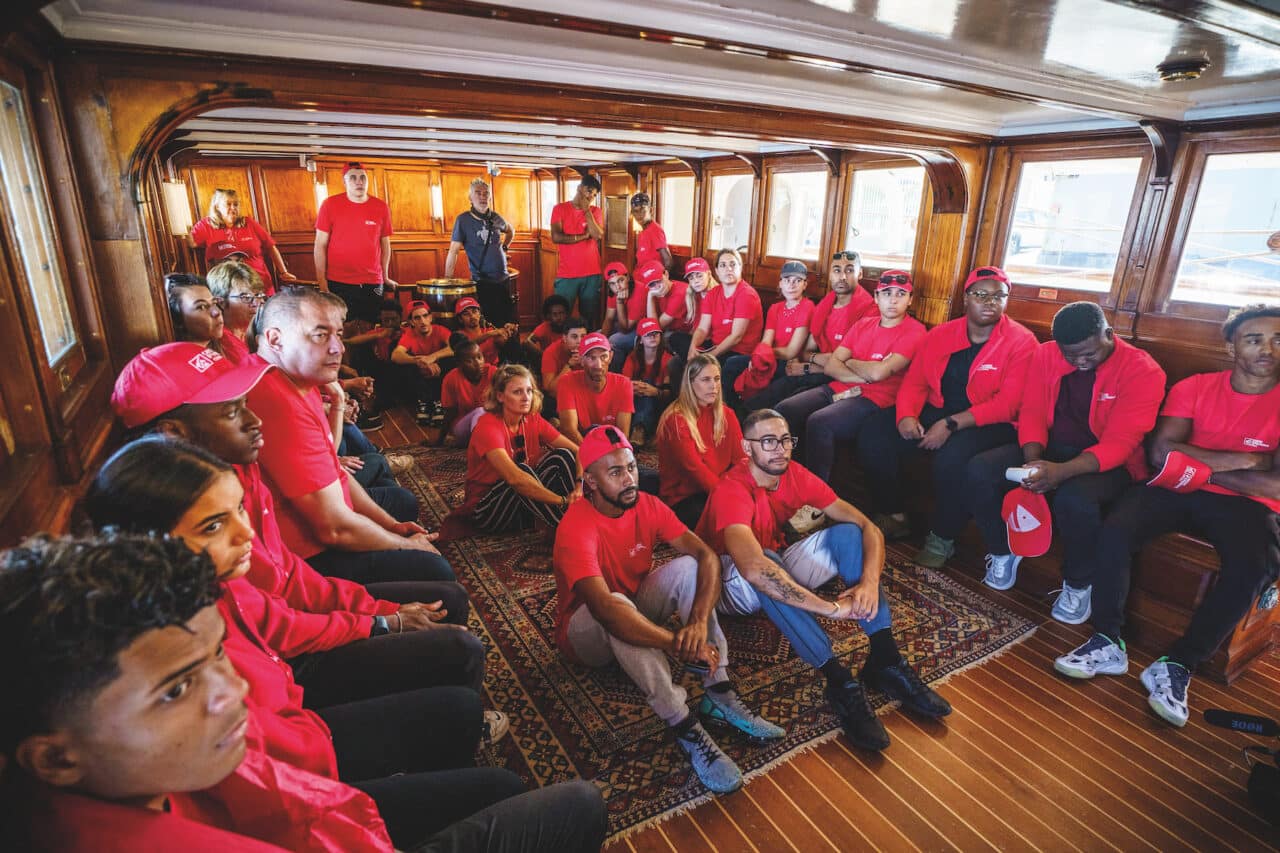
(196, 315)
(239, 292)
(520, 469)
(731, 321)
(699, 439)
(647, 366)
(226, 235)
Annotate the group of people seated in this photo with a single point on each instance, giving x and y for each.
(259, 646)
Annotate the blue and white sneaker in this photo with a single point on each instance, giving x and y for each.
(1002, 571)
(1074, 605)
(725, 709)
(716, 770)
(1167, 683)
(1100, 655)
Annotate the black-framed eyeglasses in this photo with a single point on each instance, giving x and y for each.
(248, 298)
(900, 278)
(847, 255)
(773, 442)
(518, 444)
(984, 296)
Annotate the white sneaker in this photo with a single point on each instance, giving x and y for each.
(1002, 571)
(1074, 605)
(399, 463)
(495, 725)
(807, 518)
(1167, 682)
(1100, 655)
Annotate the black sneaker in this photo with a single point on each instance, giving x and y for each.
(435, 415)
(423, 415)
(369, 422)
(900, 683)
(861, 726)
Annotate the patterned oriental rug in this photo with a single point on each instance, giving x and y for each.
(569, 721)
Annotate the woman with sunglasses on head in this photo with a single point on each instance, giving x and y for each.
(959, 398)
(866, 371)
(239, 292)
(520, 469)
(196, 315)
(225, 234)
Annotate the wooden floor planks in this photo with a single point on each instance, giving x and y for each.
(1028, 761)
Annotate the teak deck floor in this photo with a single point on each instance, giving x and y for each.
(1025, 761)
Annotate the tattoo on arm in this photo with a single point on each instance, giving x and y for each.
(779, 586)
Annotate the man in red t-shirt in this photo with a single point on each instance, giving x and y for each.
(651, 242)
(577, 226)
(743, 522)
(424, 349)
(593, 396)
(626, 306)
(353, 246)
(559, 360)
(614, 605)
(465, 388)
(1216, 449)
(555, 310)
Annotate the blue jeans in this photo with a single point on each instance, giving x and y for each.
(811, 562)
(623, 343)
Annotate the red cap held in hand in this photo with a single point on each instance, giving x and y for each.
(1026, 515)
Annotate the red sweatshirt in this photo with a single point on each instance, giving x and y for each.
(278, 571)
(995, 380)
(683, 471)
(1126, 401)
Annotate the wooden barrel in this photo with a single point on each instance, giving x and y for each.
(441, 294)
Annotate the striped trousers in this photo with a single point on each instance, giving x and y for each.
(503, 508)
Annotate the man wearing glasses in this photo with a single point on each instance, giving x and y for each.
(960, 397)
(353, 246)
(743, 523)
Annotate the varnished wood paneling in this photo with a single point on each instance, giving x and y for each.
(288, 200)
(512, 198)
(409, 197)
(410, 263)
(455, 185)
(206, 179)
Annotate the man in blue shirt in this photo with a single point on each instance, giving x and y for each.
(485, 236)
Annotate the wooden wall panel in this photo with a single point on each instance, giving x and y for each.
(408, 194)
(288, 200)
(415, 262)
(455, 184)
(513, 198)
(206, 179)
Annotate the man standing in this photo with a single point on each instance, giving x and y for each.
(593, 396)
(743, 523)
(576, 226)
(651, 242)
(1089, 400)
(353, 246)
(614, 606)
(486, 237)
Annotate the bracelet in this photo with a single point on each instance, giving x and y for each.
(812, 357)
(399, 623)
(835, 608)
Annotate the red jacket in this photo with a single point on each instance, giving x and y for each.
(1126, 401)
(277, 570)
(289, 732)
(995, 380)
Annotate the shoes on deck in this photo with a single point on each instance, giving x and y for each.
(935, 552)
(1002, 571)
(1074, 605)
(1167, 682)
(1099, 655)
(902, 684)
(861, 725)
(716, 770)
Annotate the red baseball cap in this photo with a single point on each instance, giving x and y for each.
(221, 251)
(1026, 515)
(464, 303)
(984, 274)
(595, 340)
(697, 265)
(599, 442)
(615, 267)
(650, 272)
(351, 167)
(160, 379)
(894, 278)
(647, 326)
(1181, 472)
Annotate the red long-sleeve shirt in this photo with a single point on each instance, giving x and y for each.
(1126, 401)
(995, 379)
(683, 471)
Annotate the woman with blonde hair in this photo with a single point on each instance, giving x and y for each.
(226, 235)
(520, 469)
(239, 292)
(699, 439)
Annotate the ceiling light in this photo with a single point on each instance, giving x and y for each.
(1179, 70)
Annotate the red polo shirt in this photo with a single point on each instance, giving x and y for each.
(354, 254)
(867, 340)
(674, 306)
(595, 407)
(738, 499)
(251, 239)
(576, 260)
(744, 304)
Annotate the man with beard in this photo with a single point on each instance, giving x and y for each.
(593, 396)
(492, 340)
(743, 523)
(485, 236)
(603, 559)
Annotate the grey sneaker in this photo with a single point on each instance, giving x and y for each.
(1002, 570)
(1167, 682)
(495, 725)
(725, 709)
(1074, 604)
(935, 552)
(1100, 655)
(716, 770)
(892, 528)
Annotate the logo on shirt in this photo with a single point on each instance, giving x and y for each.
(1257, 443)
(1021, 521)
(371, 222)
(877, 356)
(1105, 397)
(1184, 479)
(636, 549)
(204, 360)
(987, 366)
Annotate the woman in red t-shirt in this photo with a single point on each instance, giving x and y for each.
(239, 292)
(698, 441)
(465, 388)
(731, 322)
(647, 367)
(196, 315)
(520, 469)
(224, 232)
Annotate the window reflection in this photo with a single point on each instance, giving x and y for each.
(730, 212)
(797, 203)
(884, 211)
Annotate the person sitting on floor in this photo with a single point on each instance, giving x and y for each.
(1217, 450)
(624, 307)
(563, 355)
(520, 469)
(424, 349)
(648, 368)
(195, 314)
(612, 604)
(239, 292)
(743, 523)
(867, 368)
(960, 397)
(698, 441)
(786, 324)
(326, 516)
(555, 310)
(133, 731)
(369, 353)
(493, 340)
(593, 396)
(1089, 401)
(465, 388)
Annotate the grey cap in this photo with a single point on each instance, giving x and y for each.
(639, 199)
(794, 268)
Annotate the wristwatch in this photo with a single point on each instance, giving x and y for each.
(380, 627)
(952, 426)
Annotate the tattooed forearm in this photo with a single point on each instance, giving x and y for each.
(778, 585)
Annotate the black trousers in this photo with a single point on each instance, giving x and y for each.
(1245, 534)
(363, 300)
(689, 510)
(786, 386)
(368, 567)
(1077, 506)
(881, 452)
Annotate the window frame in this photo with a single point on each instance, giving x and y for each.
(860, 162)
(678, 170)
(785, 165)
(708, 213)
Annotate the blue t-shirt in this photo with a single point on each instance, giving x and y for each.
(474, 234)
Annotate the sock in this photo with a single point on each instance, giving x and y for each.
(838, 675)
(720, 687)
(681, 728)
(884, 650)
